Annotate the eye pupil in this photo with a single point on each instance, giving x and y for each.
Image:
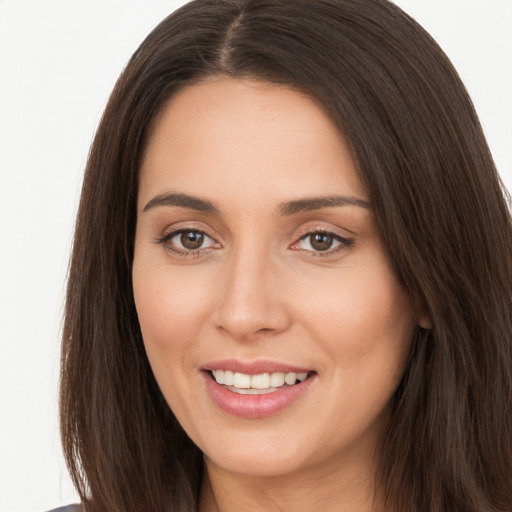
(321, 241)
(192, 239)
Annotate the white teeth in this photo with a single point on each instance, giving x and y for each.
(302, 376)
(290, 378)
(219, 376)
(277, 380)
(262, 381)
(229, 378)
(241, 381)
(252, 391)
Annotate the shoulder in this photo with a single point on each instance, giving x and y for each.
(68, 508)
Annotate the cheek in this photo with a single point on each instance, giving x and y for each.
(170, 306)
(363, 319)
(364, 325)
(171, 311)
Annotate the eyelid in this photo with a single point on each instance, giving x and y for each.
(176, 230)
(175, 233)
(172, 231)
(186, 225)
(321, 227)
(310, 230)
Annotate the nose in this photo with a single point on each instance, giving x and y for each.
(252, 304)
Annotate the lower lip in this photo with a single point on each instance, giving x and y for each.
(254, 406)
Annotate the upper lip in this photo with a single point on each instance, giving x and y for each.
(254, 367)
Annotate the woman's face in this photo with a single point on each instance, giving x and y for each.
(258, 261)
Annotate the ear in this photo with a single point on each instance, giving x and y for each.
(421, 314)
(425, 322)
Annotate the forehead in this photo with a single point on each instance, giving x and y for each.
(250, 136)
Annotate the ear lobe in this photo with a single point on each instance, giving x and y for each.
(424, 321)
(421, 314)
(419, 311)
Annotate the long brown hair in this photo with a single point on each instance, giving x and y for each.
(442, 216)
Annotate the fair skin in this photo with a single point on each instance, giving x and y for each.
(235, 267)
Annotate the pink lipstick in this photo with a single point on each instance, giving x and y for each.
(255, 389)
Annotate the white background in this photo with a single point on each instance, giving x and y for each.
(59, 60)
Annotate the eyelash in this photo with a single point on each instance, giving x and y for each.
(343, 243)
(186, 253)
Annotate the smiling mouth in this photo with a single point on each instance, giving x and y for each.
(258, 384)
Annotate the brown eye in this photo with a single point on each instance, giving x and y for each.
(321, 241)
(188, 242)
(192, 240)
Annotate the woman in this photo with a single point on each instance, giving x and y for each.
(290, 283)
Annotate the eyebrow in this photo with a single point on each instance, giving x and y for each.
(183, 200)
(284, 209)
(316, 203)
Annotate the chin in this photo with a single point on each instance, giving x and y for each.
(269, 455)
(254, 464)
